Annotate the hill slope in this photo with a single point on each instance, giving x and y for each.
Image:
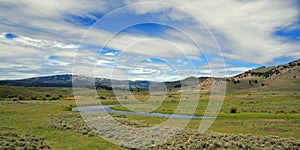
(283, 78)
(275, 78)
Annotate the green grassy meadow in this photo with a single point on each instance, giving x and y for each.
(257, 114)
(34, 117)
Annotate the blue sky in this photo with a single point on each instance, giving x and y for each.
(137, 40)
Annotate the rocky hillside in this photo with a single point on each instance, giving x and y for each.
(283, 77)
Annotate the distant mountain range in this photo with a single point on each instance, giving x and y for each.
(66, 81)
(282, 77)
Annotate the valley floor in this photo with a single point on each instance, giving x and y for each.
(260, 120)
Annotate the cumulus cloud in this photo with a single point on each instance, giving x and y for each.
(244, 30)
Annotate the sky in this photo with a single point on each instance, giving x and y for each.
(140, 40)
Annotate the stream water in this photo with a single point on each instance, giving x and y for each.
(107, 109)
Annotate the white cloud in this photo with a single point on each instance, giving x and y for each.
(244, 28)
(110, 54)
(143, 71)
(228, 72)
(104, 62)
(38, 43)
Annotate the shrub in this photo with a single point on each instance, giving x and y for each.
(20, 97)
(255, 81)
(233, 109)
(54, 98)
(102, 97)
(12, 140)
(11, 96)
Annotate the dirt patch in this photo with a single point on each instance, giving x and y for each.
(70, 98)
(253, 90)
(139, 96)
(274, 129)
(276, 120)
(191, 91)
